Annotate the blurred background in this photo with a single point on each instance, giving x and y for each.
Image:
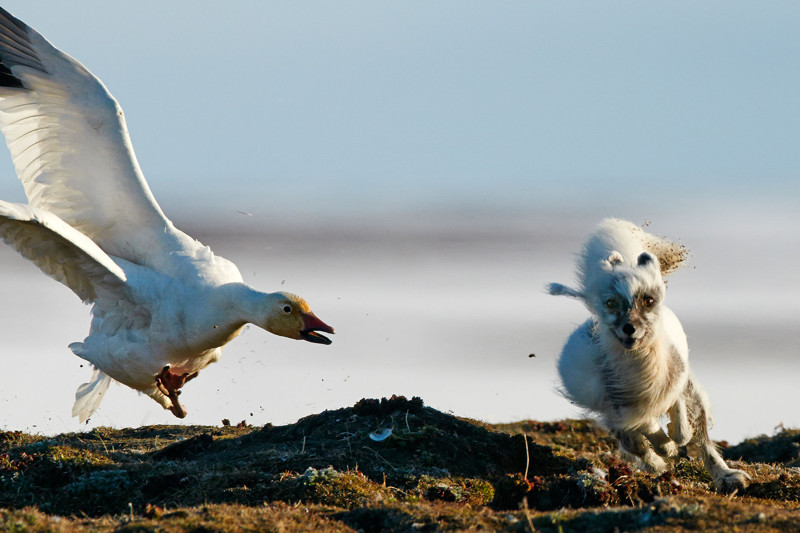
(418, 172)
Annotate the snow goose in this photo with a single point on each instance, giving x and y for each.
(163, 305)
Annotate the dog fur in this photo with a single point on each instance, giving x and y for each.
(629, 363)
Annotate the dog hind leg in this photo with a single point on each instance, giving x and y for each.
(726, 479)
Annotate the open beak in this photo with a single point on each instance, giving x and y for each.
(311, 325)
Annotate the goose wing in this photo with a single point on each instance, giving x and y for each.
(70, 145)
(62, 252)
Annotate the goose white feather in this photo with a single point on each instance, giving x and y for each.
(163, 303)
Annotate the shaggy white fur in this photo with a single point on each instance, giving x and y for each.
(629, 363)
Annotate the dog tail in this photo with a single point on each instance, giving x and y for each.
(557, 289)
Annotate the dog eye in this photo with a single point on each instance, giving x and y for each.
(287, 309)
(647, 301)
(611, 304)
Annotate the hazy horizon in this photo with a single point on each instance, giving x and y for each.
(446, 309)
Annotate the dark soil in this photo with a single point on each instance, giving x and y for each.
(388, 465)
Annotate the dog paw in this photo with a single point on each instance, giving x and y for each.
(681, 434)
(653, 464)
(667, 449)
(732, 481)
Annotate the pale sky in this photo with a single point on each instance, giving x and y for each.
(357, 106)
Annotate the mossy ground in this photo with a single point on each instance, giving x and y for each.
(388, 465)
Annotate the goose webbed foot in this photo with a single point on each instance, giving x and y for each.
(169, 384)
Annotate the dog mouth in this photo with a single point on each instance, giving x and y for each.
(628, 343)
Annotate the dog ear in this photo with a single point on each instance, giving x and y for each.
(645, 258)
(649, 262)
(614, 259)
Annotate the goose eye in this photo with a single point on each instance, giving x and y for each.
(648, 301)
(611, 304)
(287, 309)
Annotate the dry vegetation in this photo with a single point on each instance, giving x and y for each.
(327, 472)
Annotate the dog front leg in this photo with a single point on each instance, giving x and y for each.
(633, 442)
(661, 443)
(679, 428)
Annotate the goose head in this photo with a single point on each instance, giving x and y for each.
(291, 316)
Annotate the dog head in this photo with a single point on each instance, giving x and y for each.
(627, 298)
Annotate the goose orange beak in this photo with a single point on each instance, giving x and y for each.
(311, 325)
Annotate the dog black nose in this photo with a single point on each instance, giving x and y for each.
(628, 329)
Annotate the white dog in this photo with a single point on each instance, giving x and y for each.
(629, 363)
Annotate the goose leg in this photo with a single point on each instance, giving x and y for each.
(169, 384)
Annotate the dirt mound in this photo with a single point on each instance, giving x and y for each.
(783, 447)
(391, 464)
(376, 450)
